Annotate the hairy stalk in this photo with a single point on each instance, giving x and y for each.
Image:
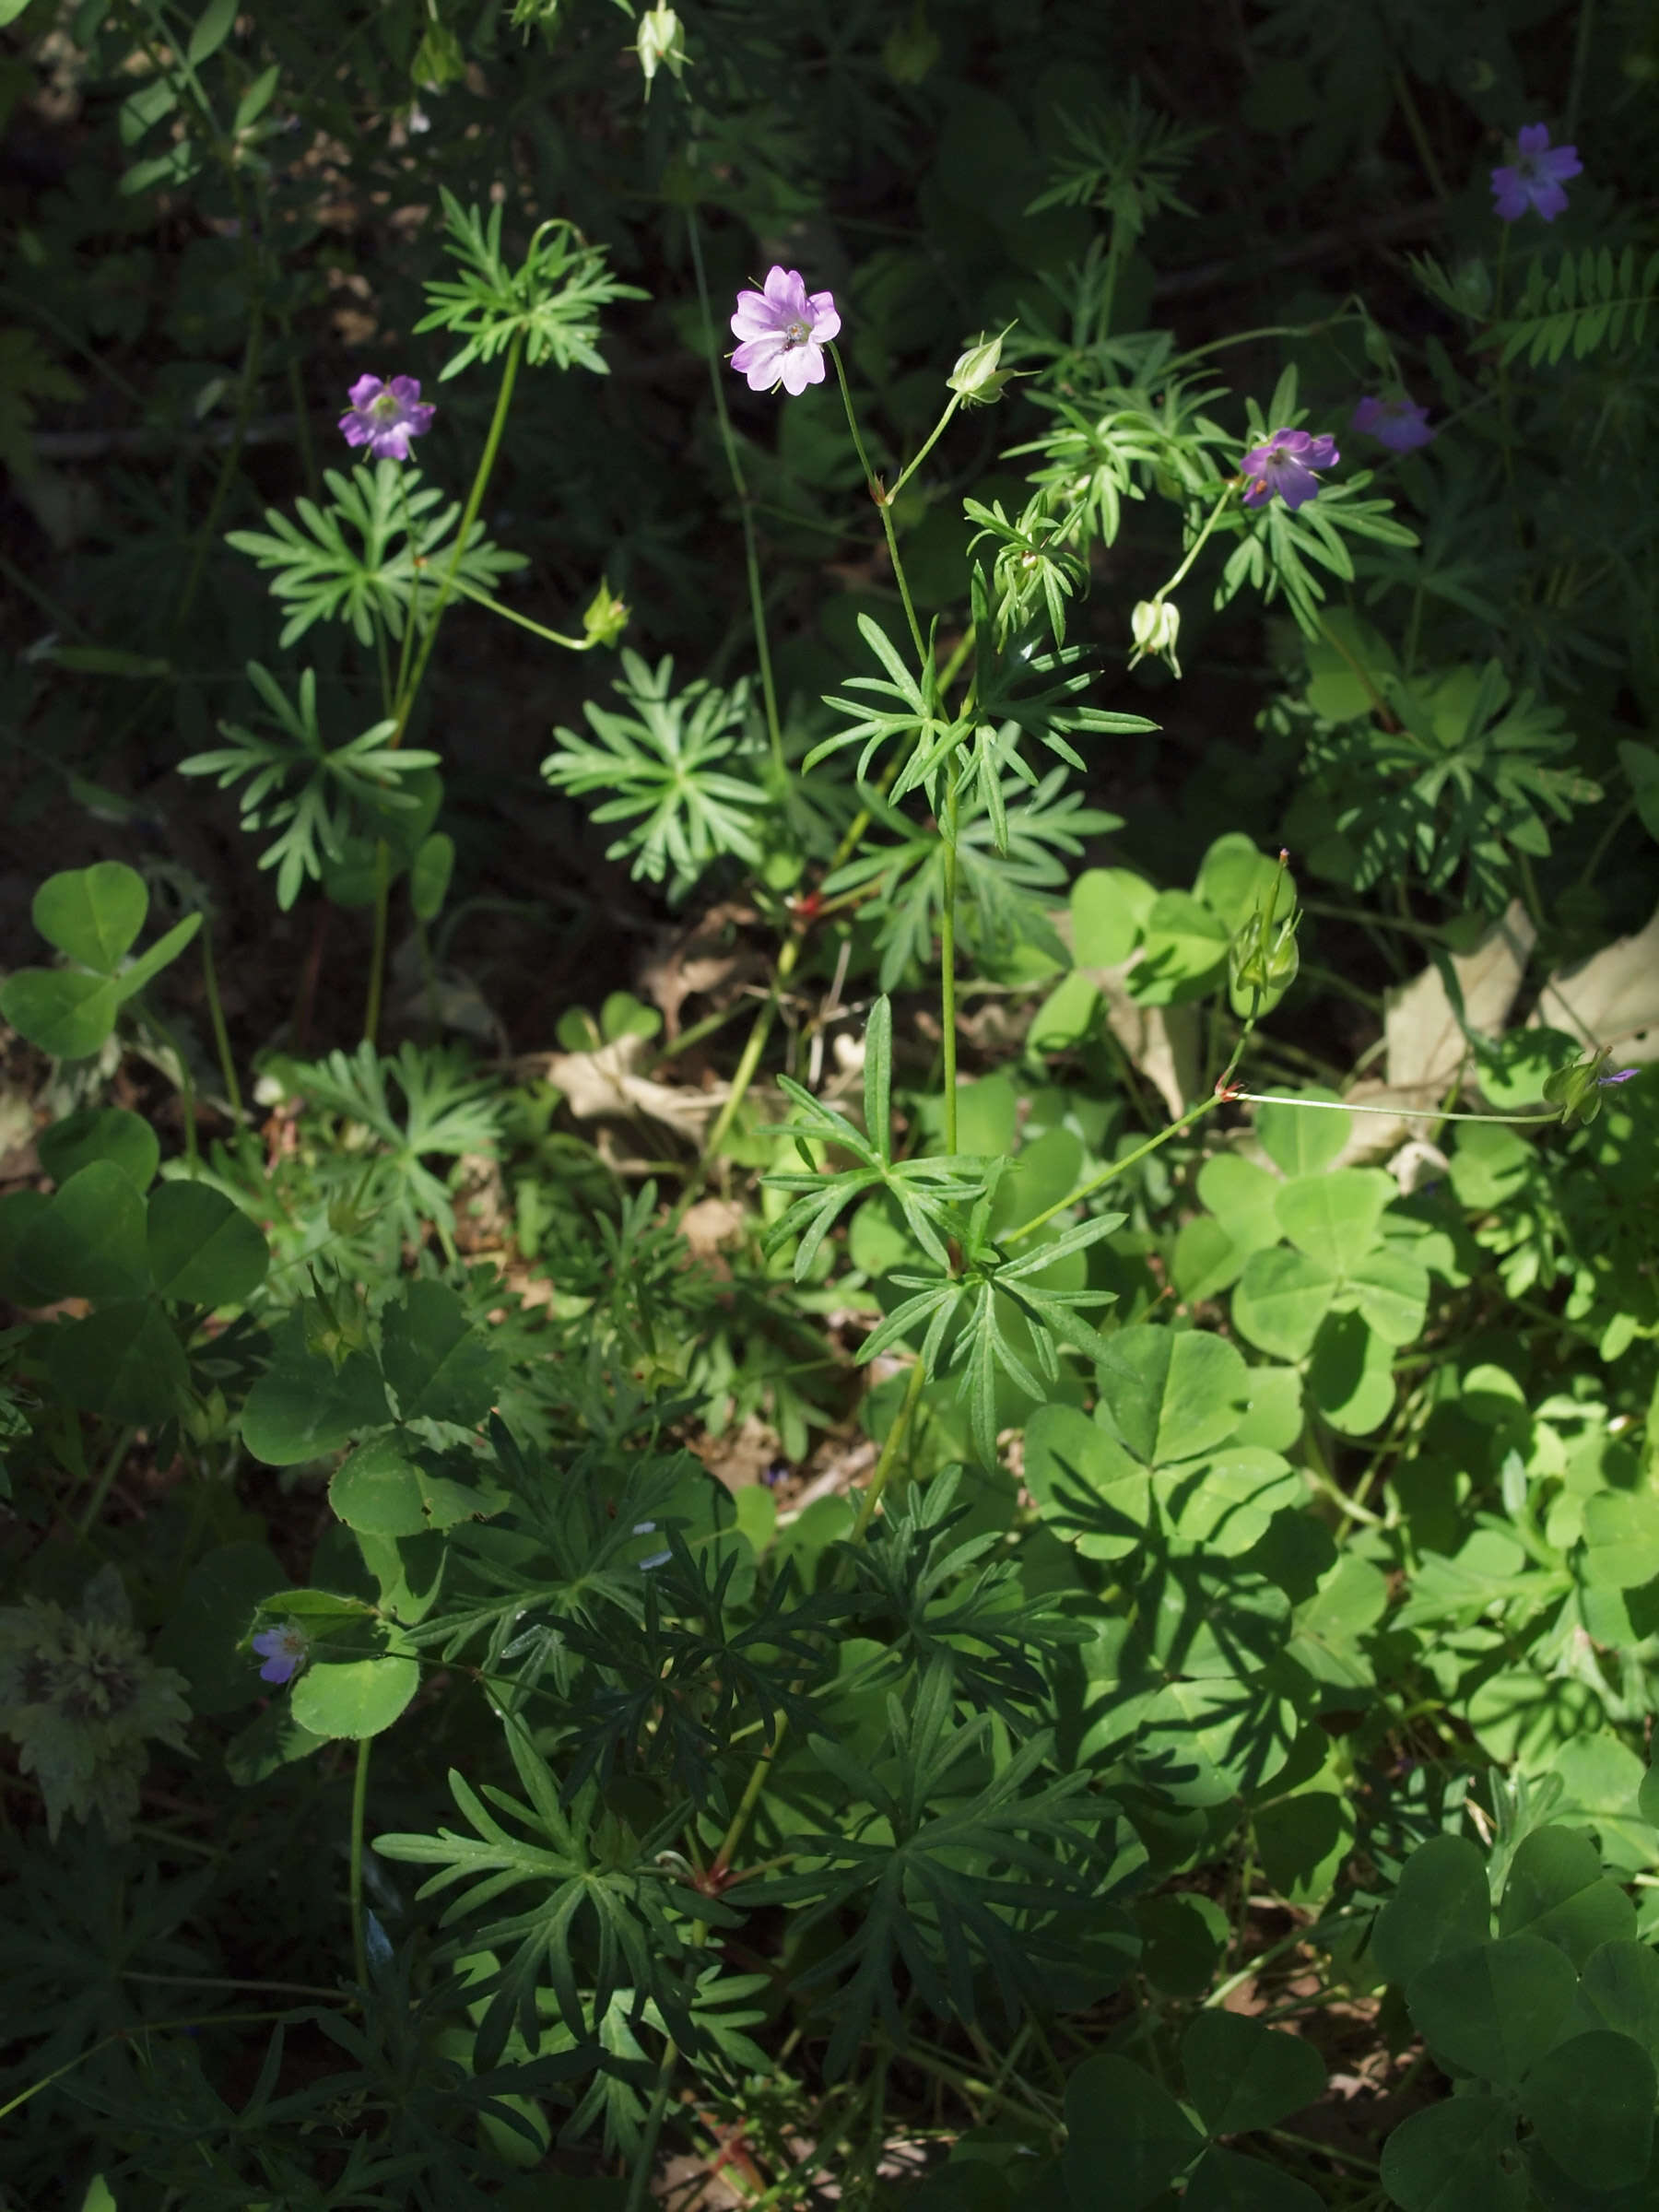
(745, 504)
(377, 957)
(89, 1513)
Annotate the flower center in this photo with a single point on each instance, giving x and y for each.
(796, 334)
(384, 408)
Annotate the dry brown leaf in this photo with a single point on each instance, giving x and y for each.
(1612, 998)
(605, 1085)
(1427, 1046)
(1161, 1042)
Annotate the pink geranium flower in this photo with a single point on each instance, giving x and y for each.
(784, 330)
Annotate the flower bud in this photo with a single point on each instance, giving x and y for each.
(661, 39)
(605, 617)
(1155, 625)
(1577, 1090)
(976, 375)
(912, 49)
(1261, 960)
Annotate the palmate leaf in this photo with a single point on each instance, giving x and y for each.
(935, 1600)
(930, 1193)
(604, 1915)
(665, 769)
(915, 712)
(398, 561)
(550, 303)
(1274, 554)
(961, 1312)
(313, 823)
(995, 1881)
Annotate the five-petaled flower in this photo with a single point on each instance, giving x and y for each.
(1536, 177)
(1284, 464)
(784, 330)
(385, 416)
(284, 1651)
(1400, 424)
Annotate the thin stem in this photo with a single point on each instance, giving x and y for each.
(948, 959)
(112, 1465)
(377, 957)
(1118, 1167)
(308, 457)
(752, 1790)
(931, 439)
(475, 499)
(359, 1799)
(275, 1989)
(638, 2185)
(744, 1075)
(186, 1087)
(744, 505)
(216, 1014)
(227, 466)
(1405, 1114)
(124, 2035)
(889, 1453)
(508, 614)
(1419, 136)
(1581, 62)
(1216, 511)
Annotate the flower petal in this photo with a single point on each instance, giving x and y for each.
(801, 366)
(365, 391)
(785, 290)
(1533, 138)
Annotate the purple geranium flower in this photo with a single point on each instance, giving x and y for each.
(1286, 465)
(284, 1651)
(1536, 181)
(385, 416)
(1399, 423)
(784, 331)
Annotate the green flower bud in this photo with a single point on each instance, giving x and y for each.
(976, 375)
(1261, 960)
(662, 41)
(605, 617)
(912, 49)
(1577, 1090)
(1155, 625)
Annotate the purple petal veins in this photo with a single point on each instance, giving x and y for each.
(283, 1650)
(385, 416)
(781, 331)
(1286, 463)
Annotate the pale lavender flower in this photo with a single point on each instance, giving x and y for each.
(385, 416)
(284, 1651)
(1284, 464)
(1623, 1076)
(784, 330)
(1400, 424)
(1536, 180)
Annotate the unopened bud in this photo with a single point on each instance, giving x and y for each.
(912, 49)
(1155, 625)
(1261, 960)
(662, 41)
(1577, 1090)
(605, 617)
(976, 375)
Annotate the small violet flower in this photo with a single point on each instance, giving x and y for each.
(1623, 1076)
(284, 1651)
(385, 416)
(1285, 464)
(1399, 423)
(1536, 180)
(784, 330)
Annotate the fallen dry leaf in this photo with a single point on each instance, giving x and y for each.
(605, 1086)
(1611, 998)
